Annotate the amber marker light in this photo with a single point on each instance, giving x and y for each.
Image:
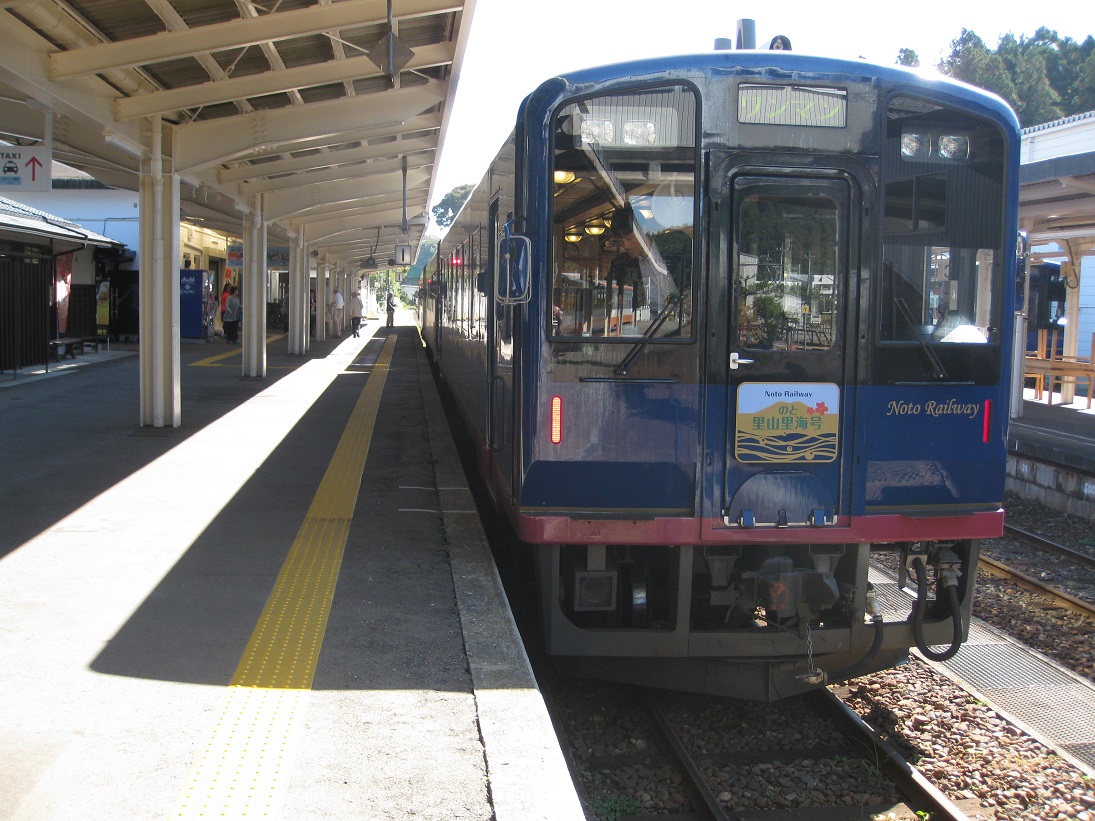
(556, 420)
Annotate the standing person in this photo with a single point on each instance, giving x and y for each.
(357, 308)
(391, 309)
(312, 308)
(231, 317)
(224, 300)
(336, 306)
(638, 266)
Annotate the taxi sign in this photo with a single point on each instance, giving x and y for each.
(25, 168)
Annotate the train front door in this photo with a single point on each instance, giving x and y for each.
(783, 241)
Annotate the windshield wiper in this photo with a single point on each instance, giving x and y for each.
(649, 334)
(933, 360)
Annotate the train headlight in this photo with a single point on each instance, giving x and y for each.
(954, 147)
(594, 590)
(639, 132)
(916, 146)
(598, 131)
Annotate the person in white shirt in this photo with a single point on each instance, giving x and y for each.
(357, 308)
(336, 306)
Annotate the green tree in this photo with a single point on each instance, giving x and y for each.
(1083, 91)
(1037, 99)
(427, 250)
(772, 318)
(908, 57)
(445, 211)
(1079, 96)
(1042, 77)
(993, 75)
(966, 53)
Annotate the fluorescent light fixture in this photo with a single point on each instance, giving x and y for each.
(121, 143)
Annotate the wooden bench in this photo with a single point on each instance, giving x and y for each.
(1049, 370)
(67, 347)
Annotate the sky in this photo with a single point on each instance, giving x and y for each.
(516, 44)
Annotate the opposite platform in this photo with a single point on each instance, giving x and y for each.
(284, 608)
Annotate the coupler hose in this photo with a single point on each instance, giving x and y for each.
(950, 585)
(853, 670)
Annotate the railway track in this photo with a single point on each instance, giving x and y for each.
(1054, 596)
(1078, 556)
(636, 752)
(1075, 572)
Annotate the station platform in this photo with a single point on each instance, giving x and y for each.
(1055, 432)
(1051, 454)
(284, 608)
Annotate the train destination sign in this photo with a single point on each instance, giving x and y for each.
(792, 105)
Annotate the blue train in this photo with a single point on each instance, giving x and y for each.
(725, 329)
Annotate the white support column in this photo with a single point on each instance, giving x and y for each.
(1071, 342)
(298, 296)
(161, 384)
(323, 297)
(306, 264)
(254, 291)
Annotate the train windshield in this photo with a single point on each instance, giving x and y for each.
(942, 267)
(624, 216)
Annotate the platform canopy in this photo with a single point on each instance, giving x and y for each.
(334, 111)
(1057, 186)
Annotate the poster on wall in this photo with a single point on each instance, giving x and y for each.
(62, 284)
(102, 307)
(233, 271)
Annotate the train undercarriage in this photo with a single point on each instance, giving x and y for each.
(751, 621)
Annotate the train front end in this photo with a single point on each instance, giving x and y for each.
(764, 358)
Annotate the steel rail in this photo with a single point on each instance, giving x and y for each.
(923, 795)
(1045, 544)
(703, 800)
(995, 568)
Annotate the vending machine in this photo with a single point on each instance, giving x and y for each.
(197, 304)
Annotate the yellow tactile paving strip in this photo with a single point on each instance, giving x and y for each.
(242, 769)
(215, 360)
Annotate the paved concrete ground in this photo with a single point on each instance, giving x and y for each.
(135, 565)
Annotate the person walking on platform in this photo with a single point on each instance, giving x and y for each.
(231, 318)
(312, 308)
(391, 309)
(227, 292)
(357, 308)
(336, 306)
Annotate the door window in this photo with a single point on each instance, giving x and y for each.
(788, 242)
